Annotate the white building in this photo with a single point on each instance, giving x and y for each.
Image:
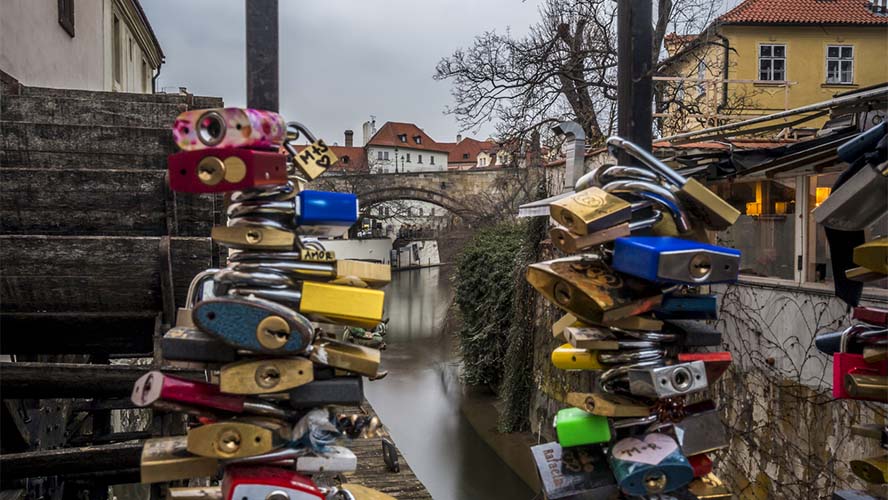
(79, 44)
(402, 147)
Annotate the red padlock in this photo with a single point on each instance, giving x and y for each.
(716, 363)
(871, 315)
(701, 464)
(267, 483)
(156, 387)
(845, 363)
(220, 170)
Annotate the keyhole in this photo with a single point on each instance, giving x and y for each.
(253, 236)
(273, 332)
(700, 266)
(210, 170)
(561, 291)
(229, 441)
(655, 481)
(146, 388)
(268, 376)
(681, 379)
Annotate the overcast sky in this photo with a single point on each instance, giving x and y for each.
(341, 60)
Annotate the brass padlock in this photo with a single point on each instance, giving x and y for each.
(591, 290)
(265, 376)
(167, 459)
(364, 493)
(590, 210)
(873, 255)
(709, 487)
(600, 339)
(294, 265)
(237, 438)
(312, 160)
(638, 323)
(608, 405)
(564, 322)
(872, 470)
(258, 236)
(867, 387)
(195, 493)
(350, 357)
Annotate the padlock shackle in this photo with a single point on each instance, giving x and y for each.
(617, 373)
(276, 192)
(624, 423)
(614, 143)
(646, 335)
(273, 208)
(262, 278)
(655, 193)
(646, 223)
(646, 353)
(622, 172)
(196, 285)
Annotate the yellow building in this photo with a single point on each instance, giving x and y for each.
(766, 56)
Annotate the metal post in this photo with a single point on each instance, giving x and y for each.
(262, 54)
(634, 86)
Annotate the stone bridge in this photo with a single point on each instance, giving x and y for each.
(466, 193)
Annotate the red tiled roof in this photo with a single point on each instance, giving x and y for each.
(804, 12)
(351, 159)
(388, 136)
(470, 147)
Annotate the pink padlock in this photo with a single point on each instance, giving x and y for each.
(229, 128)
(845, 363)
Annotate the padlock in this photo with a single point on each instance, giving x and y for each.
(871, 315)
(322, 302)
(687, 307)
(293, 264)
(653, 464)
(314, 159)
(640, 323)
(583, 458)
(701, 464)
(600, 339)
(852, 339)
(701, 430)
(360, 492)
(576, 427)
(237, 438)
(167, 459)
(341, 391)
(693, 333)
(879, 432)
(592, 291)
(671, 218)
(318, 255)
(590, 210)
(334, 459)
(846, 363)
(873, 470)
(867, 387)
(557, 483)
(191, 344)
(564, 322)
(346, 356)
(327, 214)
(717, 363)
(709, 487)
(267, 483)
(608, 405)
(715, 212)
(228, 128)
(568, 357)
(220, 170)
(194, 493)
(265, 376)
(873, 255)
(665, 259)
(254, 235)
(668, 381)
(875, 353)
(864, 275)
(254, 324)
(853, 495)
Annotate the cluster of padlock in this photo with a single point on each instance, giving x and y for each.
(263, 416)
(636, 315)
(860, 352)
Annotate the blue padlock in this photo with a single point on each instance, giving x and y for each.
(254, 324)
(687, 307)
(323, 213)
(651, 465)
(664, 259)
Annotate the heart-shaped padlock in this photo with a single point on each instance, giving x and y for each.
(651, 465)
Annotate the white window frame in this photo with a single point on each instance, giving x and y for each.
(839, 61)
(771, 58)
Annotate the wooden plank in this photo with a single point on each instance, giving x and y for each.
(93, 273)
(121, 202)
(73, 380)
(113, 333)
(62, 110)
(32, 137)
(86, 459)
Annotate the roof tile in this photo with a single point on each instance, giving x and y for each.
(804, 12)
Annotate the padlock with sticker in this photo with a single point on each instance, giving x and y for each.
(650, 465)
(228, 128)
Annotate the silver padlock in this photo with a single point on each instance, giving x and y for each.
(667, 381)
(858, 203)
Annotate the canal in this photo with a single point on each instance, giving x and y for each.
(420, 400)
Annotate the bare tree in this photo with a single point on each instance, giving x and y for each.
(564, 68)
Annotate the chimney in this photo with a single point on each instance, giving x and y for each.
(369, 130)
(458, 137)
(349, 138)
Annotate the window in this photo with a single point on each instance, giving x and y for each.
(146, 77)
(66, 16)
(386, 155)
(839, 64)
(402, 137)
(772, 62)
(115, 51)
(701, 75)
(765, 231)
(482, 162)
(433, 212)
(417, 139)
(345, 160)
(432, 159)
(379, 155)
(408, 157)
(418, 158)
(420, 211)
(465, 156)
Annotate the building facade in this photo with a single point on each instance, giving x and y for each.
(105, 45)
(766, 56)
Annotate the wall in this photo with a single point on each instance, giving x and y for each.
(383, 166)
(37, 51)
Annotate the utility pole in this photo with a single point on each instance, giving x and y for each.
(262, 55)
(634, 86)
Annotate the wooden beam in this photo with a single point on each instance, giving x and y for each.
(117, 334)
(86, 459)
(71, 380)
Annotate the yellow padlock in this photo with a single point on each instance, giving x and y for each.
(568, 357)
(872, 470)
(873, 255)
(347, 305)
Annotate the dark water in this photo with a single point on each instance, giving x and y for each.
(420, 399)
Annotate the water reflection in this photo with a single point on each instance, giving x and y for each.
(420, 399)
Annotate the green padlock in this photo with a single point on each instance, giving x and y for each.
(576, 427)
